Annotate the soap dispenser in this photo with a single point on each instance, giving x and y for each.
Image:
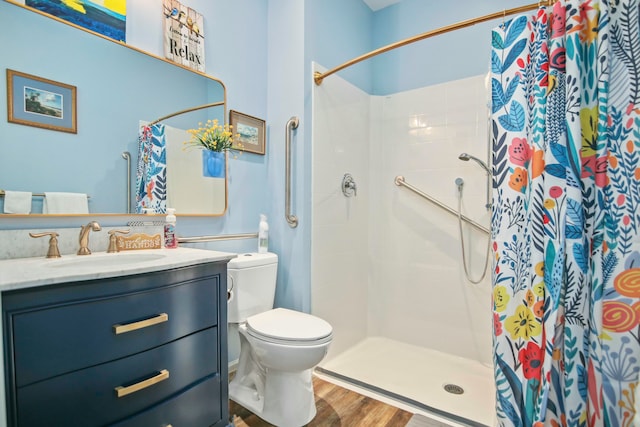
(170, 240)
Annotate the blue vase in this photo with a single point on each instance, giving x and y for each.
(213, 163)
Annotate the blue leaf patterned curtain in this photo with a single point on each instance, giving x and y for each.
(151, 176)
(565, 224)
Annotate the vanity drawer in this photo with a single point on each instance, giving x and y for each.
(53, 340)
(201, 405)
(88, 397)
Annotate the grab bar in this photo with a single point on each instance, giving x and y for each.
(291, 219)
(399, 181)
(3, 193)
(127, 156)
(196, 239)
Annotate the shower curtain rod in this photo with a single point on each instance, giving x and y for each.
(318, 76)
(188, 110)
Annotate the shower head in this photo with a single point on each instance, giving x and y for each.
(466, 157)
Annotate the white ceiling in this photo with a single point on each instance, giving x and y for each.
(379, 4)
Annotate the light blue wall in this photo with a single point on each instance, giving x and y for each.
(285, 69)
(337, 31)
(450, 56)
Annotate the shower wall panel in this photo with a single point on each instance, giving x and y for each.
(339, 250)
(418, 291)
(387, 262)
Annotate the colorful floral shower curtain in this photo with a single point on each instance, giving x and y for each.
(566, 218)
(151, 175)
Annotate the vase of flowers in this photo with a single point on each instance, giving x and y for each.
(213, 163)
(214, 140)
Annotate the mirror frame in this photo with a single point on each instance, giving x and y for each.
(131, 178)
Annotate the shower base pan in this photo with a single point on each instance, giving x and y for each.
(449, 387)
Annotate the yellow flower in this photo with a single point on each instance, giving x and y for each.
(540, 271)
(212, 136)
(523, 324)
(500, 298)
(538, 289)
(549, 204)
(589, 126)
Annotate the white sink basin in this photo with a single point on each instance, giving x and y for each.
(103, 260)
(20, 273)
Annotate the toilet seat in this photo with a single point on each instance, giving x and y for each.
(283, 326)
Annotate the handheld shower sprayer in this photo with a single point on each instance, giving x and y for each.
(459, 183)
(466, 157)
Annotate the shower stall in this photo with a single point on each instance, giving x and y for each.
(400, 212)
(387, 268)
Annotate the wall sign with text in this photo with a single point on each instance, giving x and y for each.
(183, 35)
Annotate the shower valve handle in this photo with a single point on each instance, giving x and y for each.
(349, 187)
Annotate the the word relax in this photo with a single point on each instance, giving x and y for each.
(184, 52)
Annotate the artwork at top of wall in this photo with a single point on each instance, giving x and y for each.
(106, 17)
(250, 132)
(34, 101)
(183, 35)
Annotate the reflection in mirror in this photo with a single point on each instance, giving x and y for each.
(117, 87)
(187, 187)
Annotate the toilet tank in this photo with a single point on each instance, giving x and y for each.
(251, 285)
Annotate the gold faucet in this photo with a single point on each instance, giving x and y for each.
(53, 251)
(84, 237)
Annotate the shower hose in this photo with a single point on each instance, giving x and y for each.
(462, 246)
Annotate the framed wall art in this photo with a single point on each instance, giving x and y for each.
(107, 18)
(183, 35)
(250, 131)
(40, 102)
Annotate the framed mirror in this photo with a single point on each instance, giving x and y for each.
(117, 86)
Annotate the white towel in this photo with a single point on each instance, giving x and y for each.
(65, 203)
(17, 202)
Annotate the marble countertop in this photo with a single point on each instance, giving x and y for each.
(30, 272)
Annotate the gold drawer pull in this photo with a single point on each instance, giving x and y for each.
(128, 327)
(123, 391)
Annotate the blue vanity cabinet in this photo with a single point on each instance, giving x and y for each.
(141, 350)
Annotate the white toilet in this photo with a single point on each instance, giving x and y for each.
(278, 347)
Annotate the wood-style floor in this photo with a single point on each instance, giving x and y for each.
(337, 407)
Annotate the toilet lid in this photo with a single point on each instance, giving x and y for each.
(289, 325)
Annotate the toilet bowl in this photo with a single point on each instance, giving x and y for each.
(278, 347)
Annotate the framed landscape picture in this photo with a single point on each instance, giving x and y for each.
(250, 131)
(39, 102)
